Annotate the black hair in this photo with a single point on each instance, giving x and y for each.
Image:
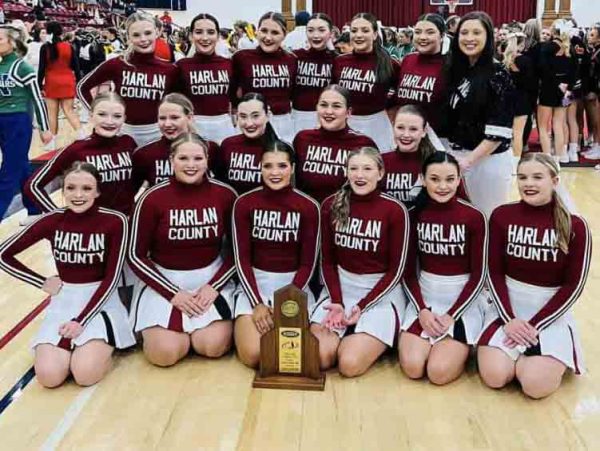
(275, 17)
(343, 39)
(324, 17)
(436, 20)
(384, 69)
(270, 135)
(301, 18)
(83, 166)
(204, 16)
(56, 30)
(436, 157)
(280, 146)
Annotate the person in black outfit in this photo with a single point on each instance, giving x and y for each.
(591, 99)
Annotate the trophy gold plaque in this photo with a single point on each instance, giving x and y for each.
(289, 353)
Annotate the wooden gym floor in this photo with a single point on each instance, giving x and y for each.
(210, 404)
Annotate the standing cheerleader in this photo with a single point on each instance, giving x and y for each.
(479, 113)
(85, 320)
(176, 248)
(238, 161)
(138, 76)
(269, 70)
(368, 73)
(205, 80)
(108, 151)
(314, 71)
(444, 276)
(276, 237)
(364, 246)
(322, 152)
(152, 163)
(538, 262)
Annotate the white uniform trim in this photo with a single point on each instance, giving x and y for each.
(500, 132)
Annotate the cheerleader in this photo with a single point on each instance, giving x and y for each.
(444, 276)
(363, 252)
(238, 161)
(276, 236)
(85, 320)
(177, 250)
(151, 162)
(479, 113)
(138, 76)
(269, 70)
(539, 260)
(314, 71)
(322, 153)
(368, 73)
(109, 152)
(205, 80)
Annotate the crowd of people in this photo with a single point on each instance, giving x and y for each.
(375, 180)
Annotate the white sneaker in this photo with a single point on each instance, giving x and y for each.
(597, 167)
(563, 159)
(573, 153)
(592, 154)
(27, 220)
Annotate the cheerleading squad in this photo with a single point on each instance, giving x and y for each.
(377, 228)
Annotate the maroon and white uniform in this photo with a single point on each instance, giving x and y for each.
(151, 162)
(273, 75)
(321, 159)
(276, 238)
(314, 74)
(446, 268)
(238, 162)
(142, 83)
(177, 243)
(206, 81)
(357, 72)
(362, 263)
(530, 278)
(401, 179)
(89, 250)
(112, 159)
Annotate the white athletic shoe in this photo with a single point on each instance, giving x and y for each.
(27, 220)
(597, 167)
(564, 159)
(592, 154)
(573, 153)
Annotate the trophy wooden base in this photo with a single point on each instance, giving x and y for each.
(290, 382)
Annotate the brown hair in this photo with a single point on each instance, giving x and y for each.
(107, 96)
(82, 166)
(340, 208)
(562, 217)
(188, 138)
(426, 148)
(186, 105)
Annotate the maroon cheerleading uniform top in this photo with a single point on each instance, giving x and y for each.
(321, 159)
(151, 162)
(275, 231)
(112, 158)
(447, 239)
(270, 74)
(401, 179)
(238, 162)
(523, 246)
(205, 80)
(375, 240)
(422, 82)
(142, 83)
(314, 74)
(87, 247)
(357, 72)
(181, 227)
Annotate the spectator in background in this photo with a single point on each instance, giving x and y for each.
(33, 48)
(115, 41)
(405, 44)
(166, 18)
(223, 49)
(342, 44)
(296, 39)
(390, 43)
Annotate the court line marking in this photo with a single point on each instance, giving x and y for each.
(16, 390)
(23, 323)
(68, 419)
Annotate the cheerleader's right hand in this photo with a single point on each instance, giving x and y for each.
(520, 332)
(52, 285)
(335, 318)
(431, 324)
(263, 318)
(185, 302)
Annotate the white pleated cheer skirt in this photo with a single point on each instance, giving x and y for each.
(559, 340)
(109, 325)
(381, 321)
(488, 182)
(268, 283)
(440, 293)
(150, 309)
(215, 128)
(377, 127)
(304, 120)
(142, 134)
(284, 127)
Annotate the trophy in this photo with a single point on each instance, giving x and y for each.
(289, 353)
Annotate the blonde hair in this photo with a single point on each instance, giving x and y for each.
(189, 138)
(562, 217)
(17, 37)
(182, 101)
(340, 208)
(512, 49)
(134, 18)
(561, 34)
(107, 96)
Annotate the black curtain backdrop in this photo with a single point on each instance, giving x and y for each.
(402, 13)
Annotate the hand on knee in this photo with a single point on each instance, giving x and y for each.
(351, 365)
